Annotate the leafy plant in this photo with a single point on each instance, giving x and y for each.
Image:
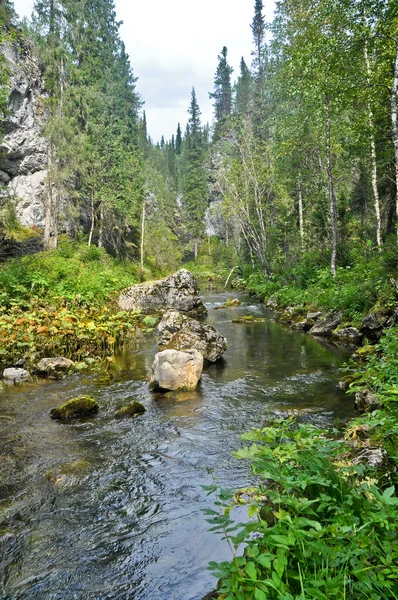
(319, 528)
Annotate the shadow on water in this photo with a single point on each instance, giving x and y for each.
(113, 509)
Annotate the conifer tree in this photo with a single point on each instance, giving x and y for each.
(222, 94)
(178, 139)
(243, 89)
(194, 180)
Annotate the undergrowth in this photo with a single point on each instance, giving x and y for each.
(64, 302)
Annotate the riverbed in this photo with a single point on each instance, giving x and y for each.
(113, 509)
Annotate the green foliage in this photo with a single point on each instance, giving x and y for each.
(62, 303)
(320, 527)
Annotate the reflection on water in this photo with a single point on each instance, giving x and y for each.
(110, 508)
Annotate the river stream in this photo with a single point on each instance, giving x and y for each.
(113, 509)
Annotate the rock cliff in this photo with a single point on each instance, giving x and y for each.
(23, 149)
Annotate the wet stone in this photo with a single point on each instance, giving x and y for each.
(81, 406)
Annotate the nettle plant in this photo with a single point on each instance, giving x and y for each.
(319, 526)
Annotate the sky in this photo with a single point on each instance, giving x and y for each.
(174, 45)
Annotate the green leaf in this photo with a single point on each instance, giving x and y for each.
(251, 571)
(259, 594)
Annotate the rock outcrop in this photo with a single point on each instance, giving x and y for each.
(348, 335)
(371, 327)
(23, 168)
(179, 332)
(176, 370)
(179, 291)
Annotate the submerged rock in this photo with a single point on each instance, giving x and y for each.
(82, 406)
(14, 376)
(178, 292)
(326, 327)
(179, 332)
(131, 410)
(51, 367)
(176, 370)
(247, 319)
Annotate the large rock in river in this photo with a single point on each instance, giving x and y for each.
(176, 370)
(179, 291)
(179, 332)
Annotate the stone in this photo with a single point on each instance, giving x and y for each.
(248, 319)
(349, 335)
(326, 327)
(179, 332)
(376, 458)
(14, 375)
(54, 366)
(300, 325)
(371, 327)
(229, 304)
(365, 401)
(179, 291)
(81, 406)
(131, 410)
(315, 316)
(272, 303)
(364, 353)
(176, 370)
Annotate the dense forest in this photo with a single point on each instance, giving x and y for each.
(299, 163)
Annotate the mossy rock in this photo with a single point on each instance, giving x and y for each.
(229, 303)
(248, 319)
(82, 406)
(364, 352)
(131, 410)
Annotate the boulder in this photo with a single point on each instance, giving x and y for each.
(14, 375)
(375, 457)
(179, 332)
(326, 327)
(315, 316)
(176, 370)
(349, 335)
(178, 292)
(54, 366)
(365, 401)
(81, 406)
(131, 410)
(229, 304)
(371, 327)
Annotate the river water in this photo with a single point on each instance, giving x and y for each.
(109, 508)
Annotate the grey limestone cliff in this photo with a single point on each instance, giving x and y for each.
(23, 149)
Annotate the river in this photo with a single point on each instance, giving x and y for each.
(113, 509)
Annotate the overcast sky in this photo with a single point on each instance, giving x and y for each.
(174, 45)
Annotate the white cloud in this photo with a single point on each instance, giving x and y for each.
(174, 45)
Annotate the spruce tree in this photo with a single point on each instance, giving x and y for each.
(222, 94)
(178, 139)
(243, 90)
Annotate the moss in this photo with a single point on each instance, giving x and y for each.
(364, 352)
(82, 406)
(248, 319)
(228, 304)
(131, 410)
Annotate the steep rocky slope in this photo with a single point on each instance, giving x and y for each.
(23, 158)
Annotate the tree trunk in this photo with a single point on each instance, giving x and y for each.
(301, 212)
(332, 198)
(376, 198)
(48, 207)
(195, 249)
(101, 227)
(90, 237)
(394, 119)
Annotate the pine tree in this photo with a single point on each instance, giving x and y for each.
(178, 139)
(222, 94)
(194, 180)
(243, 90)
(258, 30)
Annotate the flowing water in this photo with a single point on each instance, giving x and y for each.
(109, 508)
